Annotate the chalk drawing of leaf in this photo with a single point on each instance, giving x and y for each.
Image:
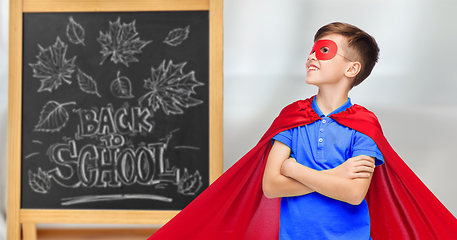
(189, 184)
(75, 32)
(177, 36)
(53, 117)
(121, 43)
(52, 68)
(86, 83)
(40, 182)
(170, 88)
(121, 87)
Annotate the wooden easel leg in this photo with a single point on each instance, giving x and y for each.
(29, 231)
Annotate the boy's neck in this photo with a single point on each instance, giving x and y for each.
(330, 101)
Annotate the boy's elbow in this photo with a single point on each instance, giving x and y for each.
(269, 195)
(357, 191)
(356, 197)
(356, 200)
(268, 190)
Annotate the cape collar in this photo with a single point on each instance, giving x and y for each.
(341, 108)
(306, 106)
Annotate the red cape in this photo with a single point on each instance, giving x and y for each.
(234, 207)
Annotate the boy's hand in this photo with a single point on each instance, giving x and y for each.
(287, 165)
(357, 167)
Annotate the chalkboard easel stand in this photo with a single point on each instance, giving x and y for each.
(29, 217)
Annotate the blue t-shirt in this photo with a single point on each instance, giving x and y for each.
(325, 144)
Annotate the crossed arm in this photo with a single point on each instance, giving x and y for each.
(284, 177)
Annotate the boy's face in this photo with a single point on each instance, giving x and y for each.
(326, 63)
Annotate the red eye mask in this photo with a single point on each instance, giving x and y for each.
(325, 49)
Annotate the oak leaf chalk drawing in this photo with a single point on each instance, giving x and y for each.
(86, 83)
(39, 182)
(170, 88)
(177, 36)
(52, 67)
(53, 117)
(121, 87)
(121, 42)
(75, 32)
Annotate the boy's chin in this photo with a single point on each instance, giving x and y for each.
(311, 82)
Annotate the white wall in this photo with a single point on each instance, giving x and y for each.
(4, 6)
(265, 49)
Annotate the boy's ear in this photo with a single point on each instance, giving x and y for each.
(353, 69)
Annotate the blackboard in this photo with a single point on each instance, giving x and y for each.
(150, 98)
(115, 110)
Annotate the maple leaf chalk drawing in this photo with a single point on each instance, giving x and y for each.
(53, 117)
(170, 88)
(121, 42)
(86, 83)
(75, 32)
(190, 184)
(52, 67)
(177, 36)
(121, 87)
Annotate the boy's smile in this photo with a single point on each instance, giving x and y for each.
(312, 68)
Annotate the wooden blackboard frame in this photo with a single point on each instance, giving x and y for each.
(28, 217)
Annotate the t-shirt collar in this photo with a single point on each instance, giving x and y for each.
(343, 107)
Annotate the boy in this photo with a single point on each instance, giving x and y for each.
(317, 203)
(336, 145)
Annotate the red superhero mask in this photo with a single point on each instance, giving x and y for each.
(325, 49)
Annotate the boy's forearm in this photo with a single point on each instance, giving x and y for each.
(282, 186)
(344, 189)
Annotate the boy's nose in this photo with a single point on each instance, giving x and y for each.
(312, 56)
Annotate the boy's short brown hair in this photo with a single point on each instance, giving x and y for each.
(360, 46)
